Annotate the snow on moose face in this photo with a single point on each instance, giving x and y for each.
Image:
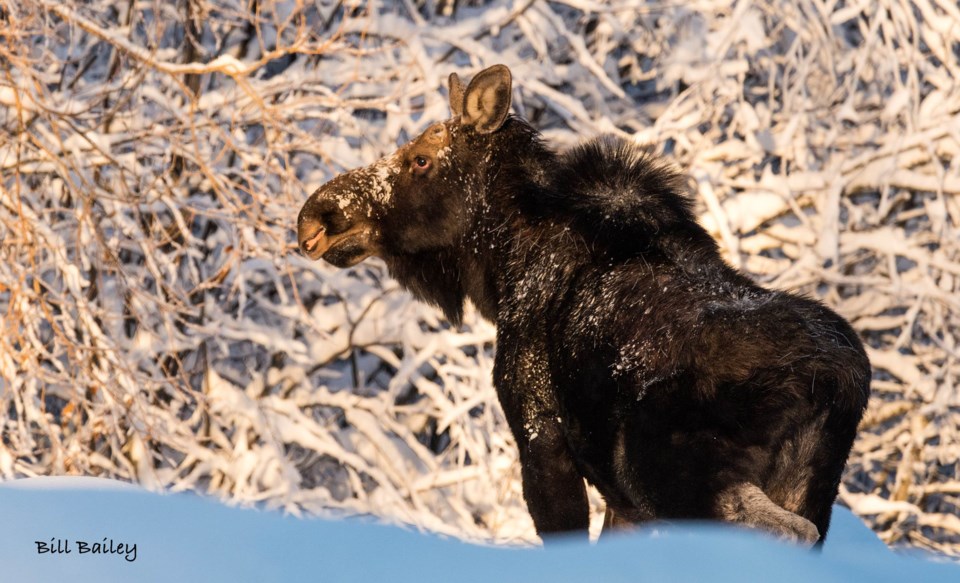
(414, 199)
(342, 222)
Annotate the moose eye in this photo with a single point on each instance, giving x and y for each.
(421, 162)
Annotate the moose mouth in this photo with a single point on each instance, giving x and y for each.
(341, 250)
(348, 251)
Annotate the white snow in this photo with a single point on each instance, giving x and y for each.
(187, 538)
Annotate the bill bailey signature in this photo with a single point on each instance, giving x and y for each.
(62, 546)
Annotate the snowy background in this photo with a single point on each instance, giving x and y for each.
(157, 324)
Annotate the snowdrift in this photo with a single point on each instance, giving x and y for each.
(188, 538)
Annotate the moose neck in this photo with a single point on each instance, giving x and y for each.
(521, 167)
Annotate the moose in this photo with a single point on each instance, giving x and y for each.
(629, 355)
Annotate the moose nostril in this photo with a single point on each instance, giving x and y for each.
(311, 234)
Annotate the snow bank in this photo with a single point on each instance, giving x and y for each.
(188, 538)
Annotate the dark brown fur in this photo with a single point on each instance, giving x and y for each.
(628, 353)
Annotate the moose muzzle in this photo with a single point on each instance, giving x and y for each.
(334, 225)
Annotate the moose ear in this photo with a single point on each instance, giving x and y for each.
(456, 95)
(486, 102)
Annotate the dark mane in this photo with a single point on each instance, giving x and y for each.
(618, 198)
(617, 188)
(614, 193)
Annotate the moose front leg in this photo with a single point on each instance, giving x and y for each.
(553, 488)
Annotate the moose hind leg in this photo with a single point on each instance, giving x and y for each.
(746, 504)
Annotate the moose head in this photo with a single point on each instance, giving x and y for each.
(415, 199)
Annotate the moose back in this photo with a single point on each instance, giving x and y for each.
(628, 353)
